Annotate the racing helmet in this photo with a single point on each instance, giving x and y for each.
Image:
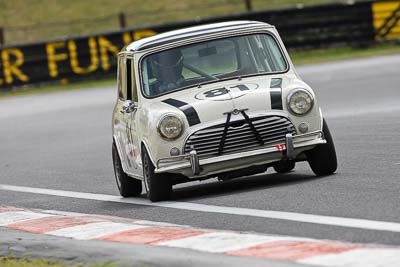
(168, 66)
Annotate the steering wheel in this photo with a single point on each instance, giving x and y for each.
(199, 71)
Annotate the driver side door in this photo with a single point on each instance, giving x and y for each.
(126, 115)
(131, 107)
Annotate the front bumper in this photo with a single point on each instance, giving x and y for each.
(191, 166)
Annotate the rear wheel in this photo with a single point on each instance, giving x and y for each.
(284, 166)
(322, 158)
(158, 186)
(127, 186)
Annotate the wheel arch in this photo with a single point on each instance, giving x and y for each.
(321, 119)
(119, 151)
(144, 144)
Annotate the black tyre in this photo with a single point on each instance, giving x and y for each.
(284, 166)
(158, 186)
(322, 158)
(127, 186)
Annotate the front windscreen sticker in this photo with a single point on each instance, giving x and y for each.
(227, 92)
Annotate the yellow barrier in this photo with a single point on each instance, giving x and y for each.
(386, 19)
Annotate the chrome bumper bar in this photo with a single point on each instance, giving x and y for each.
(192, 160)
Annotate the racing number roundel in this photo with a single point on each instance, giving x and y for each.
(227, 92)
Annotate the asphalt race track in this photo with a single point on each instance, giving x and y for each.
(62, 141)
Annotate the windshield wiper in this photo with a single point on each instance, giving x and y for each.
(239, 78)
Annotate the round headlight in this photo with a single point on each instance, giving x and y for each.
(300, 101)
(170, 127)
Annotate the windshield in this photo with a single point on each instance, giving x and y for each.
(194, 64)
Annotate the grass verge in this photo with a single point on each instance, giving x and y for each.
(54, 19)
(10, 262)
(298, 57)
(342, 53)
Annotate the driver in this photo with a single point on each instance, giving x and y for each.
(168, 71)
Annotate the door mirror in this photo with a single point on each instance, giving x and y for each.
(128, 107)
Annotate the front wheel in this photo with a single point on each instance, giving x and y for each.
(322, 158)
(127, 186)
(158, 186)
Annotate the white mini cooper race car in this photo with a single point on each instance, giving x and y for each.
(220, 100)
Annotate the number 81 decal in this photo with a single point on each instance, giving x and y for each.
(227, 92)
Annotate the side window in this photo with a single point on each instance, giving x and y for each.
(126, 79)
(132, 93)
(129, 79)
(121, 78)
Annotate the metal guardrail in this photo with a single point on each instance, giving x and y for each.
(93, 56)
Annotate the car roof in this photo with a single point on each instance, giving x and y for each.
(186, 33)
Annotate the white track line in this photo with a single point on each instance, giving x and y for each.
(269, 214)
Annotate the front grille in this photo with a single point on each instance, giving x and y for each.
(239, 135)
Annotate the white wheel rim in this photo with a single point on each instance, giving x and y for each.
(117, 169)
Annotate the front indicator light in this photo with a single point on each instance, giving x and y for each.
(303, 127)
(174, 151)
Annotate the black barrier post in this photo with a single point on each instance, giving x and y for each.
(249, 5)
(122, 20)
(1, 36)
